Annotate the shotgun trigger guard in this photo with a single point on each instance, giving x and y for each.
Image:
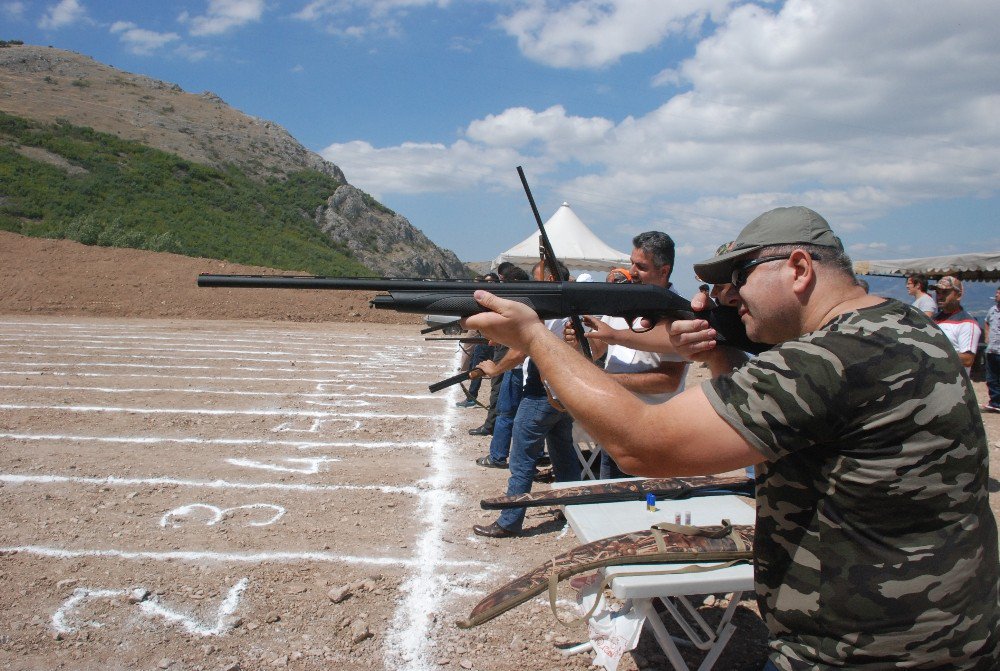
(633, 319)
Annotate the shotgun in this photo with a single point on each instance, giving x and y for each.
(551, 300)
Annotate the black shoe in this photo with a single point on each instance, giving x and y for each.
(480, 431)
(487, 462)
(493, 531)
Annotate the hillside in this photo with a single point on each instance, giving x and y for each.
(62, 89)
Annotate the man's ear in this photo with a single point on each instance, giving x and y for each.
(804, 271)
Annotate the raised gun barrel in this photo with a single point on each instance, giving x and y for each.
(550, 300)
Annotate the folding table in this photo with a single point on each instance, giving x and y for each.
(595, 521)
(590, 459)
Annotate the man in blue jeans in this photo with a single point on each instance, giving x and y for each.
(510, 366)
(537, 423)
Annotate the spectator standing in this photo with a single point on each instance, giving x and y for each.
(916, 286)
(652, 377)
(993, 355)
(961, 328)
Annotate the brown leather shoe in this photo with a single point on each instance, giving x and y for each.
(493, 531)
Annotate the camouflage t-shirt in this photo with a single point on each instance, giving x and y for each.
(876, 547)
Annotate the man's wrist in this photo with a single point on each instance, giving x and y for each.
(536, 336)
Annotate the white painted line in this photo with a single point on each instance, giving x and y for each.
(407, 640)
(17, 479)
(372, 362)
(222, 392)
(329, 382)
(152, 440)
(206, 411)
(219, 514)
(310, 464)
(337, 376)
(335, 371)
(231, 557)
(152, 607)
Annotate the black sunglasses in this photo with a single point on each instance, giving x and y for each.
(742, 272)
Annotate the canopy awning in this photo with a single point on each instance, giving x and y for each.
(573, 243)
(984, 266)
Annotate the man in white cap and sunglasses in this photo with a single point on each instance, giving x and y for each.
(875, 544)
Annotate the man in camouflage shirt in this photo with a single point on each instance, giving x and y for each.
(876, 547)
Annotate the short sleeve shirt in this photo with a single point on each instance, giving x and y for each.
(876, 547)
(993, 321)
(925, 304)
(962, 330)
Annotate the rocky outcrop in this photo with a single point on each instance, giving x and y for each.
(383, 240)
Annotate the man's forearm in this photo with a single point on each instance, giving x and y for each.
(657, 339)
(512, 359)
(662, 380)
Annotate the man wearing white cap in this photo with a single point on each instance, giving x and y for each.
(875, 547)
(961, 328)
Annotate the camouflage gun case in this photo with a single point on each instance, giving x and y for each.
(661, 544)
(626, 490)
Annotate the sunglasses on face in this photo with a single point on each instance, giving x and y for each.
(742, 272)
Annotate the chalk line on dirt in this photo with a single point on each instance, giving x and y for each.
(407, 639)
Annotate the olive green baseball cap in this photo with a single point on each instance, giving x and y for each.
(781, 226)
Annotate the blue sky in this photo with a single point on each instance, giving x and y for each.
(688, 116)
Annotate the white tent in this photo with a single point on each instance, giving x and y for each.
(573, 243)
(964, 266)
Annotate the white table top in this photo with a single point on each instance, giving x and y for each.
(591, 522)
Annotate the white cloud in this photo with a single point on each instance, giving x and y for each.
(64, 13)
(221, 16)
(520, 126)
(139, 40)
(13, 10)
(359, 18)
(815, 104)
(594, 33)
(421, 167)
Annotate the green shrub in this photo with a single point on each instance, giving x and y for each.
(134, 196)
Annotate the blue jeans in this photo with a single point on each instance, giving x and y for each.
(609, 468)
(993, 377)
(536, 424)
(511, 390)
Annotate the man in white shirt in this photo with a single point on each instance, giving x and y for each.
(961, 328)
(652, 377)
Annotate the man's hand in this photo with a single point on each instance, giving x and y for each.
(601, 331)
(695, 340)
(490, 369)
(509, 322)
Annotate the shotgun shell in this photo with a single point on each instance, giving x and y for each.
(650, 502)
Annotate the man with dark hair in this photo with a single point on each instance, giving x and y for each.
(654, 377)
(875, 548)
(657, 249)
(507, 272)
(916, 286)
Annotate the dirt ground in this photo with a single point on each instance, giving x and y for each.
(200, 485)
